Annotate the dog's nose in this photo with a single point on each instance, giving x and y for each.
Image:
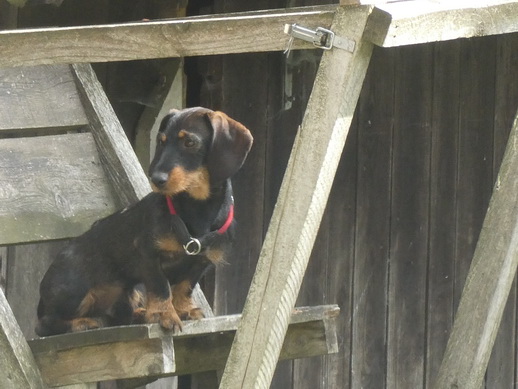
(159, 179)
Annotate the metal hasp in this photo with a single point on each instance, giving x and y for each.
(321, 37)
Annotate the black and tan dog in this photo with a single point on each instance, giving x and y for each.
(162, 244)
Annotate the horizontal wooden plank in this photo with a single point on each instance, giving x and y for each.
(146, 350)
(236, 33)
(421, 21)
(51, 187)
(39, 97)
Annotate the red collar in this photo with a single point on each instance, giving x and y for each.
(220, 230)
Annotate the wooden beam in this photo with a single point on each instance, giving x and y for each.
(18, 368)
(218, 34)
(119, 160)
(146, 350)
(300, 205)
(488, 283)
(421, 21)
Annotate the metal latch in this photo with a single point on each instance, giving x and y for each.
(321, 37)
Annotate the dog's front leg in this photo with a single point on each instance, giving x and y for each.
(159, 307)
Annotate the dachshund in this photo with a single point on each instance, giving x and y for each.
(140, 264)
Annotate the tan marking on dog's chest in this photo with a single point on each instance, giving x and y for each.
(169, 244)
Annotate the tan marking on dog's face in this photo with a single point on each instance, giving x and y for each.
(196, 183)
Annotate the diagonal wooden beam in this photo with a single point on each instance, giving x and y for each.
(18, 368)
(488, 283)
(298, 212)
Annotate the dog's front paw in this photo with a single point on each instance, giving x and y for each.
(195, 314)
(85, 323)
(168, 319)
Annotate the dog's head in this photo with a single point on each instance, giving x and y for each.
(196, 149)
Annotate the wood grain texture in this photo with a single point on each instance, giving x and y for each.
(26, 266)
(409, 218)
(502, 364)
(236, 33)
(412, 22)
(119, 159)
(443, 195)
(369, 314)
(40, 97)
(18, 368)
(295, 221)
(136, 351)
(488, 283)
(51, 187)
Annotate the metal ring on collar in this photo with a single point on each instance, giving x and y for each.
(192, 247)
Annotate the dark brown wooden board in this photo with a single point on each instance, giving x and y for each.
(369, 307)
(409, 218)
(502, 364)
(475, 174)
(52, 187)
(39, 97)
(443, 188)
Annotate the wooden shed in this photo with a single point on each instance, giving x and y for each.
(426, 94)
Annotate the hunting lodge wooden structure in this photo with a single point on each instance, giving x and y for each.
(66, 161)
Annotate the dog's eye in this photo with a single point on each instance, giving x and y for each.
(189, 142)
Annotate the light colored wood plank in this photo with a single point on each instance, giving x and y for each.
(421, 21)
(39, 97)
(488, 283)
(236, 33)
(51, 187)
(300, 205)
(119, 159)
(137, 351)
(17, 365)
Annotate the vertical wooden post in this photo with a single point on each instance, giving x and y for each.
(17, 365)
(488, 283)
(302, 199)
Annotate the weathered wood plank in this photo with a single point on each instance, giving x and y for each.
(488, 283)
(26, 265)
(119, 160)
(236, 33)
(443, 192)
(502, 364)
(412, 22)
(51, 187)
(39, 97)
(300, 206)
(136, 351)
(475, 154)
(18, 368)
(409, 218)
(376, 106)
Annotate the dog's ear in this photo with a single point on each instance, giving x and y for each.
(231, 142)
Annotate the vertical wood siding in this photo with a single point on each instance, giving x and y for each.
(405, 211)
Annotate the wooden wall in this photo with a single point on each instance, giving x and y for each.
(406, 208)
(407, 204)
